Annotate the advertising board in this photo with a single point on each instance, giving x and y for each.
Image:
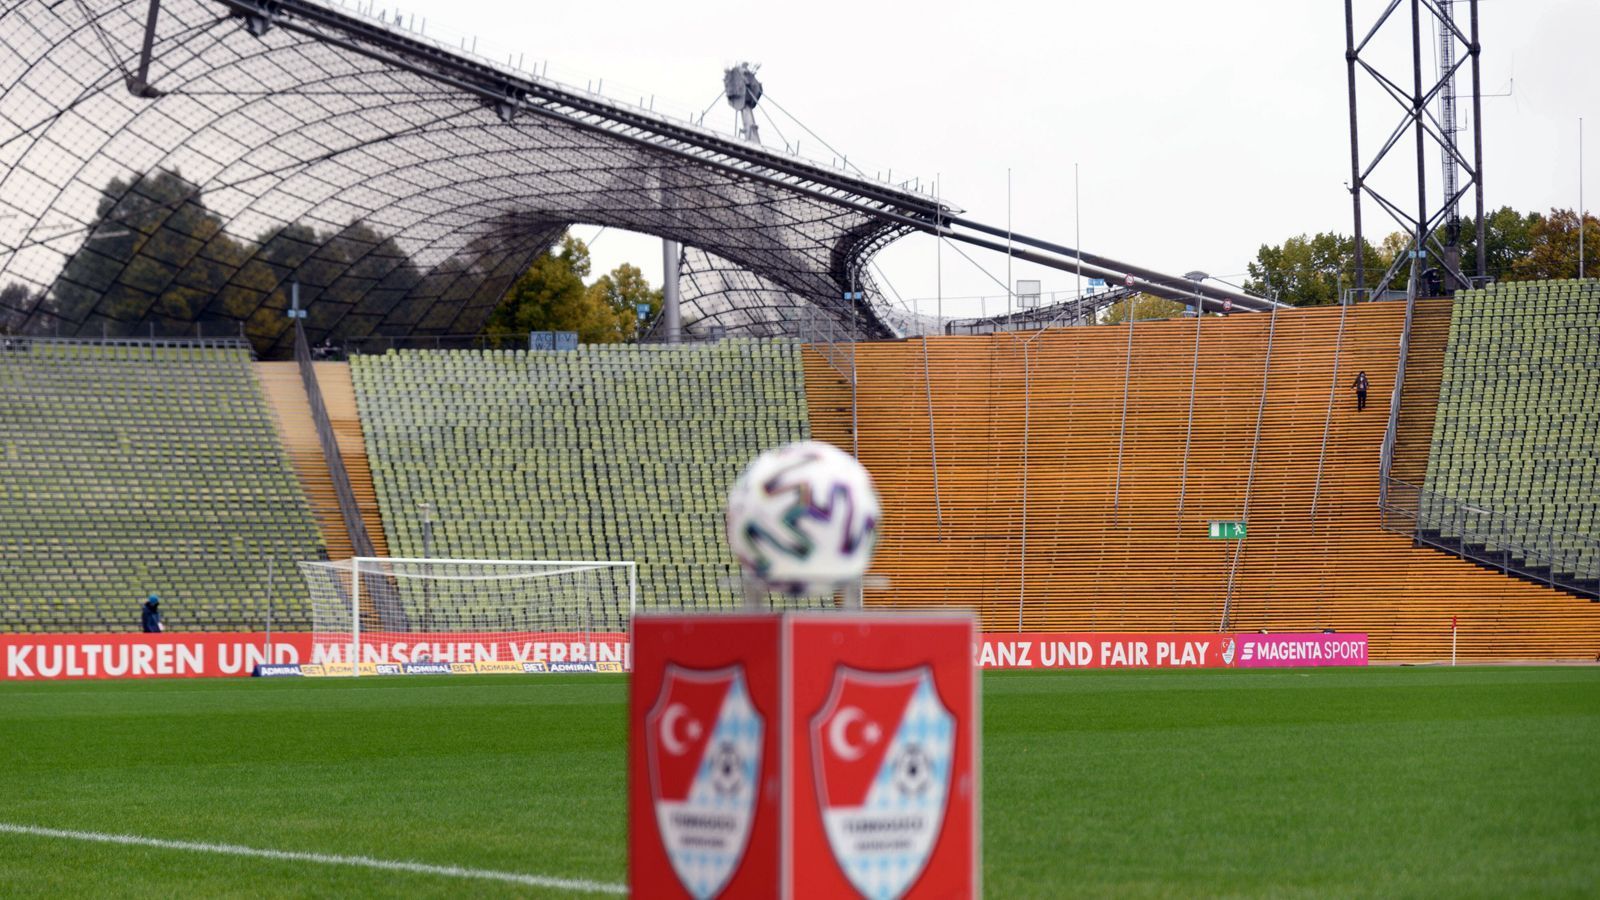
(1337, 649)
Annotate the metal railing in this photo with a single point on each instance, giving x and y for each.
(1027, 427)
(25, 343)
(376, 344)
(349, 510)
(832, 340)
(1250, 479)
(1082, 310)
(933, 440)
(1188, 426)
(1122, 427)
(1516, 545)
(715, 334)
(1327, 418)
(1392, 430)
(1371, 295)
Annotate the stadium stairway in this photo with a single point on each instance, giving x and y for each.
(1056, 505)
(339, 398)
(128, 467)
(286, 394)
(1430, 330)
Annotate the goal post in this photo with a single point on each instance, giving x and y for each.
(388, 614)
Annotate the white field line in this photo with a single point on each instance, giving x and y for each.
(366, 862)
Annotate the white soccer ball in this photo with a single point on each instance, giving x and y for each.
(803, 519)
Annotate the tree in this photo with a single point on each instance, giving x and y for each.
(1507, 236)
(16, 302)
(1553, 246)
(1144, 306)
(1390, 248)
(155, 253)
(1311, 270)
(1308, 271)
(552, 296)
(623, 291)
(350, 280)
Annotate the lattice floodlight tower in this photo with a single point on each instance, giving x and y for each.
(1428, 112)
(168, 164)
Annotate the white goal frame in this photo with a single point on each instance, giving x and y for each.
(356, 565)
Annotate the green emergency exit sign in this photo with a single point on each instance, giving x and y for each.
(1227, 531)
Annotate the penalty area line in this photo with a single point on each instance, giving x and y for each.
(326, 859)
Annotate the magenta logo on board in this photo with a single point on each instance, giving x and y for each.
(1337, 649)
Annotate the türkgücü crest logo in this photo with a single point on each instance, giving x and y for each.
(883, 746)
(703, 739)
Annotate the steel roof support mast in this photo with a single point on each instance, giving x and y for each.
(743, 91)
(1434, 236)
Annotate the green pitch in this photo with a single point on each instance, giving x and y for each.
(1377, 782)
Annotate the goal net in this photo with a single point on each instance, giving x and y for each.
(390, 615)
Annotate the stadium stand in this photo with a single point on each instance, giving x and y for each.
(612, 453)
(1514, 473)
(1058, 481)
(139, 466)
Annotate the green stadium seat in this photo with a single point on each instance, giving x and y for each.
(139, 467)
(1518, 423)
(610, 452)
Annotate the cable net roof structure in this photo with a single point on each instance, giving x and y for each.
(402, 185)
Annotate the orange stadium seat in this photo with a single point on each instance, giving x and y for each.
(1058, 481)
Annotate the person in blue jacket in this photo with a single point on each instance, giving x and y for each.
(150, 619)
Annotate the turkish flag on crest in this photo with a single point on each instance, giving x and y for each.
(854, 731)
(680, 726)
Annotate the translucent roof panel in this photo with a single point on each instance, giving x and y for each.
(401, 185)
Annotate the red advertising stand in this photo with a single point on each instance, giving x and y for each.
(803, 755)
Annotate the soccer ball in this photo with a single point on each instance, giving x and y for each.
(913, 772)
(727, 770)
(803, 519)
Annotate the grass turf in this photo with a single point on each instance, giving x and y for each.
(1377, 782)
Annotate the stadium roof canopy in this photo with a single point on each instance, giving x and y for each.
(180, 162)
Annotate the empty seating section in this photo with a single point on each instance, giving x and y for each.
(1028, 434)
(132, 468)
(1518, 428)
(613, 453)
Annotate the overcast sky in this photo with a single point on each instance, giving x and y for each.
(1201, 130)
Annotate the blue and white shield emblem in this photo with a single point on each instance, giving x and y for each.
(883, 748)
(703, 741)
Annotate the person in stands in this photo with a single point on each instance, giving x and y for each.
(150, 618)
(1361, 390)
